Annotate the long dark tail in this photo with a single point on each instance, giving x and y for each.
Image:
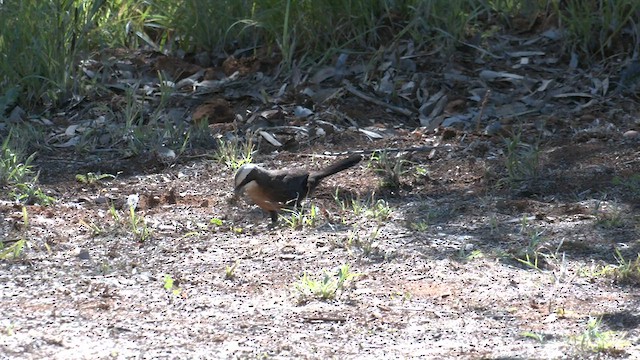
(336, 167)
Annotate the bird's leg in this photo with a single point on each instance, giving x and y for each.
(274, 217)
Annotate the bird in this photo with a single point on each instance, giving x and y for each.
(273, 190)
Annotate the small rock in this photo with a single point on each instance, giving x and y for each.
(631, 134)
(84, 254)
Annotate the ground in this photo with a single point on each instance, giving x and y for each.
(505, 240)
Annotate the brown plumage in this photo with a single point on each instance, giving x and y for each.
(272, 190)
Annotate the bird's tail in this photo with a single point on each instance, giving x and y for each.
(338, 166)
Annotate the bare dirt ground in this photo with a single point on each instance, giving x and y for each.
(471, 262)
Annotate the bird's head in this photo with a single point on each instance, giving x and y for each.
(244, 175)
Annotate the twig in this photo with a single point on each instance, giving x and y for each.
(368, 98)
(387, 150)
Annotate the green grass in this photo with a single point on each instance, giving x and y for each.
(627, 271)
(630, 185)
(171, 285)
(305, 216)
(14, 167)
(92, 178)
(326, 287)
(234, 153)
(141, 232)
(17, 176)
(521, 161)
(596, 339)
(230, 270)
(39, 55)
(391, 169)
(12, 251)
(16, 248)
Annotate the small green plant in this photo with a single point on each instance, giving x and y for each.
(114, 213)
(595, 271)
(25, 218)
(419, 226)
(138, 225)
(233, 153)
(536, 254)
(351, 206)
(95, 229)
(532, 335)
(631, 184)
(13, 168)
(299, 218)
(16, 249)
(421, 171)
(171, 286)
(12, 251)
(470, 255)
(379, 211)
(29, 193)
(325, 288)
(230, 271)
(404, 296)
(611, 217)
(522, 161)
(391, 169)
(364, 241)
(595, 339)
(92, 178)
(9, 330)
(532, 255)
(627, 271)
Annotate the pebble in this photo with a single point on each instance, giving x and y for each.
(631, 134)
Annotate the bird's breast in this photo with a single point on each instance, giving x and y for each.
(261, 197)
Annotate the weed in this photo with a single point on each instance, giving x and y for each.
(532, 335)
(536, 255)
(366, 242)
(404, 296)
(12, 251)
(9, 330)
(114, 213)
(631, 185)
(355, 206)
(421, 171)
(627, 271)
(138, 225)
(389, 168)
(95, 229)
(233, 153)
(595, 339)
(230, 271)
(420, 226)
(531, 255)
(29, 194)
(379, 211)
(494, 224)
(15, 250)
(610, 218)
(595, 271)
(299, 217)
(25, 218)
(592, 27)
(325, 288)
(171, 286)
(522, 161)
(13, 169)
(92, 178)
(471, 255)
